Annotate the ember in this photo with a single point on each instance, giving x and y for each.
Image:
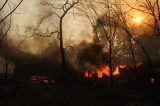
(152, 80)
(41, 79)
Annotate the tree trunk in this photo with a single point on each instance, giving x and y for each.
(62, 50)
(158, 9)
(110, 65)
(6, 66)
(133, 56)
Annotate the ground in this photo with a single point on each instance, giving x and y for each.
(75, 93)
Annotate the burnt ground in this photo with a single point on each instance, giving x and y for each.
(73, 92)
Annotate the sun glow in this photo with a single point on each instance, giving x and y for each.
(138, 19)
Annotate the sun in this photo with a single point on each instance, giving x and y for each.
(137, 19)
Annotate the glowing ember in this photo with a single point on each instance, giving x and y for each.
(122, 66)
(152, 80)
(138, 64)
(41, 79)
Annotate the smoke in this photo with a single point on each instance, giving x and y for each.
(29, 15)
(43, 52)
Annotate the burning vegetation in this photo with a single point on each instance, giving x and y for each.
(104, 70)
(41, 79)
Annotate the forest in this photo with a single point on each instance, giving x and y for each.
(80, 52)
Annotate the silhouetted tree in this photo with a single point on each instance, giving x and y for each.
(6, 11)
(65, 8)
(104, 28)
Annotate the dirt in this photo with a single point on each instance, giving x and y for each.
(74, 93)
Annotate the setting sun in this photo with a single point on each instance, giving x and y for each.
(138, 19)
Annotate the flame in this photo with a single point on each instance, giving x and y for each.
(104, 70)
(122, 66)
(41, 79)
(88, 74)
(116, 71)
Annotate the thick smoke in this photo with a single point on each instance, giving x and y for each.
(41, 53)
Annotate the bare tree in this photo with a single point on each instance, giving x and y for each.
(148, 7)
(108, 21)
(125, 27)
(6, 10)
(104, 27)
(63, 10)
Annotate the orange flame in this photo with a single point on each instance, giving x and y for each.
(104, 70)
(122, 66)
(88, 74)
(116, 71)
(41, 79)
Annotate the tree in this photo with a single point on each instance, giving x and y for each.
(104, 27)
(107, 21)
(62, 11)
(150, 8)
(123, 24)
(6, 11)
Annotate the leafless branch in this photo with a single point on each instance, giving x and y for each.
(11, 11)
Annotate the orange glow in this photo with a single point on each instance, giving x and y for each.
(138, 19)
(41, 79)
(88, 74)
(123, 66)
(138, 64)
(116, 71)
(104, 70)
(46, 81)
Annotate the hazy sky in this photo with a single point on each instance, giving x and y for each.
(30, 13)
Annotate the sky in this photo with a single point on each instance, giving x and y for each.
(29, 14)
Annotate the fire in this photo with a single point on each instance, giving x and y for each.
(104, 70)
(88, 74)
(41, 79)
(116, 71)
(122, 66)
